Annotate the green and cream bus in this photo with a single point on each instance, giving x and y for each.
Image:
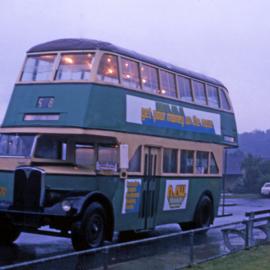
(98, 139)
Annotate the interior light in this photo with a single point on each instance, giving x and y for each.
(163, 91)
(68, 60)
(110, 71)
(89, 55)
(109, 60)
(126, 64)
(128, 76)
(144, 80)
(48, 56)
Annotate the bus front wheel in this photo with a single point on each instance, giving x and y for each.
(8, 232)
(91, 231)
(203, 215)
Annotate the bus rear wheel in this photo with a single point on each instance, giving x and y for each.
(91, 232)
(203, 215)
(8, 232)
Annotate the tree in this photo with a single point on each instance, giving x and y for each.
(252, 171)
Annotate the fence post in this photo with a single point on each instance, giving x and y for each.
(191, 250)
(249, 232)
(106, 258)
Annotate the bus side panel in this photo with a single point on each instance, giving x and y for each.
(177, 211)
(111, 186)
(6, 186)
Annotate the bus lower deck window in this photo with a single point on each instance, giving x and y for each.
(187, 161)
(202, 162)
(169, 160)
(135, 161)
(49, 148)
(213, 165)
(107, 158)
(85, 155)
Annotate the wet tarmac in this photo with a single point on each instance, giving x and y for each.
(31, 246)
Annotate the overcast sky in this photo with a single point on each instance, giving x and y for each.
(226, 39)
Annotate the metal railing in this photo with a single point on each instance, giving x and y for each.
(173, 251)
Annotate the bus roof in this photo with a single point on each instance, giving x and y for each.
(70, 44)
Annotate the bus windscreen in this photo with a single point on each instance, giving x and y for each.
(16, 145)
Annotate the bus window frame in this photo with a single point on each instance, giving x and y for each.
(93, 77)
(58, 62)
(225, 92)
(177, 162)
(95, 74)
(122, 58)
(51, 78)
(179, 89)
(193, 81)
(174, 80)
(218, 96)
(56, 65)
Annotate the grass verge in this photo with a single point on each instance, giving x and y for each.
(243, 196)
(255, 258)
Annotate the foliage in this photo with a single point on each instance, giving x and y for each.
(248, 167)
(256, 143)
(256, 171)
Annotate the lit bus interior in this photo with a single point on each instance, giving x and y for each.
(102, 67)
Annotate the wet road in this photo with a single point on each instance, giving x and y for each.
(30, 246)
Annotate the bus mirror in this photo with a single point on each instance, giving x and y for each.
(123, 156)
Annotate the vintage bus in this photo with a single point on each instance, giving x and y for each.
(98, 139)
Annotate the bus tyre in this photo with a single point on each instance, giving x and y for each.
(8, 232)
(204, 212)
(91, 231)
(203, 215)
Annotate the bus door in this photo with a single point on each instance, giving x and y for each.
(150, 186)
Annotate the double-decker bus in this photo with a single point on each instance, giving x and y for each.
(98, 139)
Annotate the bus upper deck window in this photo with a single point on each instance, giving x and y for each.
(184, 86)
(75, 67)
(224, 100)
(130, 73)
(38, 68)
(213, 99)
(199, 92)
(108, 69)
(149, 79)
(167, 84)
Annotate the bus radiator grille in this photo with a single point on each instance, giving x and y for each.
(27, 190)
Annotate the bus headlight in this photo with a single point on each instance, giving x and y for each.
(66, 205)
